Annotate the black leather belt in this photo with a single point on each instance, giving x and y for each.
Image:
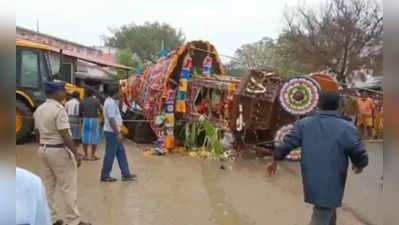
(53, 146)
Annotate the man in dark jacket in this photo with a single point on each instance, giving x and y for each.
(327, 141)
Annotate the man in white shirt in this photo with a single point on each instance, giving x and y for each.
(72, 106)
(114, 146)
(30, 199)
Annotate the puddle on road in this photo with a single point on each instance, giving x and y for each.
(223, 213)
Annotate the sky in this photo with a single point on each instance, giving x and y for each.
(227, 24)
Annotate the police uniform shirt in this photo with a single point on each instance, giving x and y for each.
(50, 117)
(30, 199)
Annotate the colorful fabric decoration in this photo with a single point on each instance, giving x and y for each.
(125, 95)
(150, 87)
(207, 66)
(153, 89)
(169, 109)
(148, 91)
(133, 105)
(299, 96)
(169, 142)
(183, 84)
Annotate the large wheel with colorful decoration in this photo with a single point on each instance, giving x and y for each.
(299, 95)
(281, 133)
(295, 154)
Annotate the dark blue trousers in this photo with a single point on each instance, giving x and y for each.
(114, 149)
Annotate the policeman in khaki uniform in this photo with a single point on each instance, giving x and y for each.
(58, 155)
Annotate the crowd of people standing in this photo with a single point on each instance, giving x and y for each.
(59, 131)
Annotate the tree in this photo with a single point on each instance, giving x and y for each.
(256, 55)
(125, 57)
(233, 68)
(266, 53)
(259, 55)
(146, 40)
(343, 36)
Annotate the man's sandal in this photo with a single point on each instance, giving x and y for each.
(108, 179)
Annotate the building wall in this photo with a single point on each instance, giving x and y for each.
(109, 53)
(29, 35)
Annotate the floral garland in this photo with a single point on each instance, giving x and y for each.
(299, 96)
(279, 139)
(295, 155)
(281, 133)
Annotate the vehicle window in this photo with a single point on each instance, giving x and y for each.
(18, 65)
(43, 68)
(29, 69)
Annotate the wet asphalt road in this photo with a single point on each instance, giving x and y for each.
(179, 190)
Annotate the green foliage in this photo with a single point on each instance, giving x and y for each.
(203, 134)
(146, 40)
(192, 132)
(286, 63)
(212, 138)
(256, 55)
(264, 54)
(121, 75)
(233, 68)
(126, 58)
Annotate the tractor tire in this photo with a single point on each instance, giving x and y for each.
(24, 122)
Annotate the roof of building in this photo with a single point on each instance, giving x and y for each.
(92, 59)
(55, 38)
(66, 52)
(92, 71)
